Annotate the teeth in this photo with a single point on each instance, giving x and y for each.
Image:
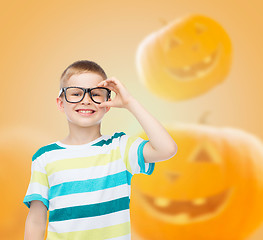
(207, 59)
(82, 111)
(199, 201)
(182, 218)
(162, 202)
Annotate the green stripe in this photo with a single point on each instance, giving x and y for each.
(141, 160)
(83, 162)
(94, 234)
(40, 178)
(109, 141)
(44, 149)
(90, 185)
(91, 210)
(29, 198)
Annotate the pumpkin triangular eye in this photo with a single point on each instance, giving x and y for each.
(199, 28)
(203, 156)
(174, 42)
(170, 43)
(205, 152)
(171, 176)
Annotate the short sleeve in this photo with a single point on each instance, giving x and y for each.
(131, 148)
(38, 187)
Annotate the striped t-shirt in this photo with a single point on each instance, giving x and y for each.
(87, 187)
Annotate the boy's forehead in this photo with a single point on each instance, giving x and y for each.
(89, 79)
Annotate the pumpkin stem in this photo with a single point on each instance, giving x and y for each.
(203, 118)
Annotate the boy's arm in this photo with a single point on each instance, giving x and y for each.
(161, 145)
(35, 226)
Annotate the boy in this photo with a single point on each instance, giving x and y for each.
(84, 180)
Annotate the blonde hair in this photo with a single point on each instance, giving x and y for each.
(81, 67)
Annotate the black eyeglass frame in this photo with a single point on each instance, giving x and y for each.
(85, 90)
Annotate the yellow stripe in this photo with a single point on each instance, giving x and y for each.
(83, 162)
(40, 178)
(130, 141)
(94, 234)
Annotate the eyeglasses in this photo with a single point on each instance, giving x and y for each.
(76, 94)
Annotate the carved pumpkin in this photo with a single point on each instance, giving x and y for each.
(211, 189)
(184, 59)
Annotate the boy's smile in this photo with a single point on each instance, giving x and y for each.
(85, 113)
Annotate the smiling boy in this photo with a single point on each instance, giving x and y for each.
(84, 180)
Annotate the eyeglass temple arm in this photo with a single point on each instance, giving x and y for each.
(61, 90)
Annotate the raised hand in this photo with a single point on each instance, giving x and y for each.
(122, 98)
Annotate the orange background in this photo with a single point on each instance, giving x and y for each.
(39, 40)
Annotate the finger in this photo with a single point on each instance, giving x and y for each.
(106, 104)
(101, 83)
(115, 79)
(106, 83)
(111, 80)
(112, 87)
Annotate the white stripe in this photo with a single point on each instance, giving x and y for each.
(133, 156)
(86, 173)
(83, 224)
(59, 154)
(122, 143)
(100, 196)
(38, 164)
(37, 167)
(36, 188)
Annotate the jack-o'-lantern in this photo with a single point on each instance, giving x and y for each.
(185, 58)
(211, 189)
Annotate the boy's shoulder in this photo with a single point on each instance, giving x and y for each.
(109, 139)
(54, 146)
(117, 135)
(46, 148)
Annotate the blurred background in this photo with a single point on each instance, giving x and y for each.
(39, 39)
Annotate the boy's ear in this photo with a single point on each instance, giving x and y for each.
(108, 108)
(60, 104)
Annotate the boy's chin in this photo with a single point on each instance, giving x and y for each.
(86, 125)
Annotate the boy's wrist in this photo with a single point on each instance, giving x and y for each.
(131, 104)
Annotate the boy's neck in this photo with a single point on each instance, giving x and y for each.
(81, 135)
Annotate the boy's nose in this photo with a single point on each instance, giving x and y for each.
(86, 98)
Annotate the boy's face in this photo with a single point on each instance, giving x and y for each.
(72, 110)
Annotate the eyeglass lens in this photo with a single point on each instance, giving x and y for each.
(76, 94)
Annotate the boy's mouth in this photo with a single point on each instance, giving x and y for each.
(85, 112)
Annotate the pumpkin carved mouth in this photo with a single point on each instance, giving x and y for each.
(182, 212)
(198, 70)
